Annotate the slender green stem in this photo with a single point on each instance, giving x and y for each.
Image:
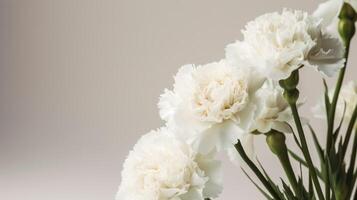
(331, 114)
(285, 162)
(331, 118)
(305, 150)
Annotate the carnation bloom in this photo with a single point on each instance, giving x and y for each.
(329, 11)
(347, 100)
(161, 167)
(211, 104)
(272, 112)
(277, 44)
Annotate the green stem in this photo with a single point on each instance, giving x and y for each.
(331, 114)
(331, 117)
(305, 150)
(285, 162)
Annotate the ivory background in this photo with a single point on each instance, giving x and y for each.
(80, 79)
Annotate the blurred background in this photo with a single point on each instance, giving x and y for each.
(80, 80)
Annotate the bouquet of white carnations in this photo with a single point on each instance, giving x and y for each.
(252, 92)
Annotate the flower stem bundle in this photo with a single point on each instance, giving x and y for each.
(253, 92)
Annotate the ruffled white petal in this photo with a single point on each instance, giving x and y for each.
(328, 12)
(272, 111)
(162, 167)
(276, 44)
(328, 55)
(210, 104)
(213, 170)
(168, 104)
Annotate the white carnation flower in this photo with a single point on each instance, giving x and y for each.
(329, 11)
(273, 111)
(211, 104)
(347, 98)
(277, 44)
(161, 167)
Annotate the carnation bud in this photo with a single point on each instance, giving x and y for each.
(276, 142)
(346, 25)
(347, 29)
(347, 12)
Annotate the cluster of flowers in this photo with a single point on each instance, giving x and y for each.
(212, 106)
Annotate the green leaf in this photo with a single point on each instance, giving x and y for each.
(274, 186)
(317, 144)
(294, 135)
(331, 177)
(352, 164)
(311, 186)
(327, 182)
(349, 132)
(335, 134)
(327, 99)
(257, 186)
(297, 158)
(297, 141)
(287, 191)
(303, 162)
(257, 172)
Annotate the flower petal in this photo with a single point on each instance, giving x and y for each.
(328, 55)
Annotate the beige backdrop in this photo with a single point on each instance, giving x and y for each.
(80, 79)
